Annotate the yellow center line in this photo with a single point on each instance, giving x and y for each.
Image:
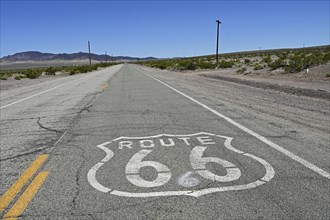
(23, 201)
(23, 179)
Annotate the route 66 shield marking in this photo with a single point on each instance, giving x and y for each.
(198, 170)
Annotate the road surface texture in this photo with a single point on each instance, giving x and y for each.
(130, 142)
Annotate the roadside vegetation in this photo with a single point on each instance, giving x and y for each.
(283, 61)
(37, 72)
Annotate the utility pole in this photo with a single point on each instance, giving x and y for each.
(217, 53)
(106, 58)
(89, 54)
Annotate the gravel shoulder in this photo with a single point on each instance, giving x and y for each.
(312, 84)
(316, 90)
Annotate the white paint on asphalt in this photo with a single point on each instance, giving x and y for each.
(59, 140)
(291, 155)
(169, 144)
(92, 179)
(147, 143)
(123, 144)
(91, 175)
(270, 170)
(187, 180)
(197, 161)
(160, 135)
(135, 164)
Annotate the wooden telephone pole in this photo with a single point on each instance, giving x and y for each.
(217, 50)
(89, 54)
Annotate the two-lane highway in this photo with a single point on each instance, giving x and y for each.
(130, 143)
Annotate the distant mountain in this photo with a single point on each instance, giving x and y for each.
(39, 56)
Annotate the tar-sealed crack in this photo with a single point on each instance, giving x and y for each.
(77, 180)
(24, 154)
(85, 108)
(46, 128)
(77, 172)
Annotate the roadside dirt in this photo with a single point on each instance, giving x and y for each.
(12, 83)
(315, 83)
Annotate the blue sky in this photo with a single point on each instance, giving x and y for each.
(161, 28)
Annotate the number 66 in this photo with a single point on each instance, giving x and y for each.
(198, 163)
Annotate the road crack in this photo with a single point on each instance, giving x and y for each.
(24, 154)
(46, 128)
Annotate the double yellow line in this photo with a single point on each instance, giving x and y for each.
(22, 202)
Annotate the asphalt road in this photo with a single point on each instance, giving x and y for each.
(130, 142)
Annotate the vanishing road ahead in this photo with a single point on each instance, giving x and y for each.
(131, 142)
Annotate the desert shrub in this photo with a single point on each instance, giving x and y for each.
(191, 66)
(267, 59)
(3, 77)
(33, 73)
(226, 64)
(205, 65)
(17, 77)
(73, 71)
(326, 58)
(51, 70)
(5, 74)
(186, 65)
(161, 64)
(301, 61)
(241, 71)
(258, 67)
(85, 68)
(247, 61)
(102, 64)
(279, 63)
(283, 56)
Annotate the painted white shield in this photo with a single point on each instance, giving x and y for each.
(196, 146)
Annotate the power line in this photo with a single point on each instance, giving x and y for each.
(228, 38)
